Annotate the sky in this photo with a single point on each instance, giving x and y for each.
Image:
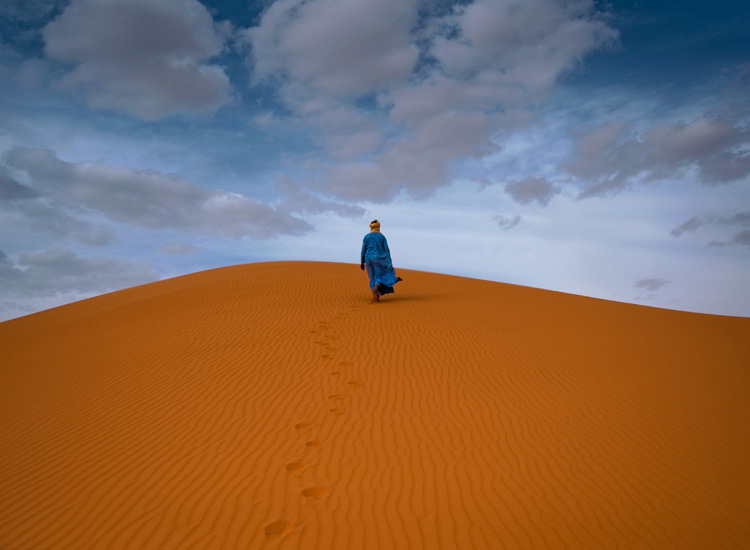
(588, 147)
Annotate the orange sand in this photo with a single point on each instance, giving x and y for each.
(271, 406)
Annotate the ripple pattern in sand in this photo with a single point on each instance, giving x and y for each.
(261, 406)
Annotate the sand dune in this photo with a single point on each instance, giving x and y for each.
(271, 406)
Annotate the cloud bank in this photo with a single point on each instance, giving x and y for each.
(611, 158)
(61, 271)
(532, 190)
(144, 58)
(439, 83)
(149, 199)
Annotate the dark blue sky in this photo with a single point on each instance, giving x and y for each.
(670, 44)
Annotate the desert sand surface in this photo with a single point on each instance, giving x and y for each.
(271, 406)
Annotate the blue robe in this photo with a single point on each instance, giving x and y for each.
(377, 258)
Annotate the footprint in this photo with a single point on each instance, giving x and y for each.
(314, 443)
(345, 363)
(278, 528)
(314, 493)
(303, 426)
(354, 383)
(297, 466)
(336, 396)
(336, 373)
(337, 411)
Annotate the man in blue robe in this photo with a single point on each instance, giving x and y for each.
(376, 256)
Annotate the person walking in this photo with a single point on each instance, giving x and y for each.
(376, 257)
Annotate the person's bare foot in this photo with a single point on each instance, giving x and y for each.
(375, 294)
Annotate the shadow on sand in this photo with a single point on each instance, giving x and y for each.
(399, 298)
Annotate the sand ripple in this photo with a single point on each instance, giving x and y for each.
(270, 405)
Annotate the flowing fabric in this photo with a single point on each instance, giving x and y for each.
(377, 258)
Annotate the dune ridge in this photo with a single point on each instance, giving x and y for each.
(270, 406)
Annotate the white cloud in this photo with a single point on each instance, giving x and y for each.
(507, 222)
(337, 47)
(725, 167)
(609, 159)
(738, 238)
(145, 58)
(178, 248)
(493, 56)
(417, 162)
(741, 238)
(532, 189)
(513, 51)
(295, 199)
(11, 190)
(702, 137)
(61, 271)
(48, 277)
(150, 199)
(23, 201)
(444, 85)
(348, 132)
(58, 222)
(652, 284)
(692, 224)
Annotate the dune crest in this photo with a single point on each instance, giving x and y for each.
(271, 405)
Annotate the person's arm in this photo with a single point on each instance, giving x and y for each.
(362, 256)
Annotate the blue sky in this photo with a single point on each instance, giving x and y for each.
(595, 148)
